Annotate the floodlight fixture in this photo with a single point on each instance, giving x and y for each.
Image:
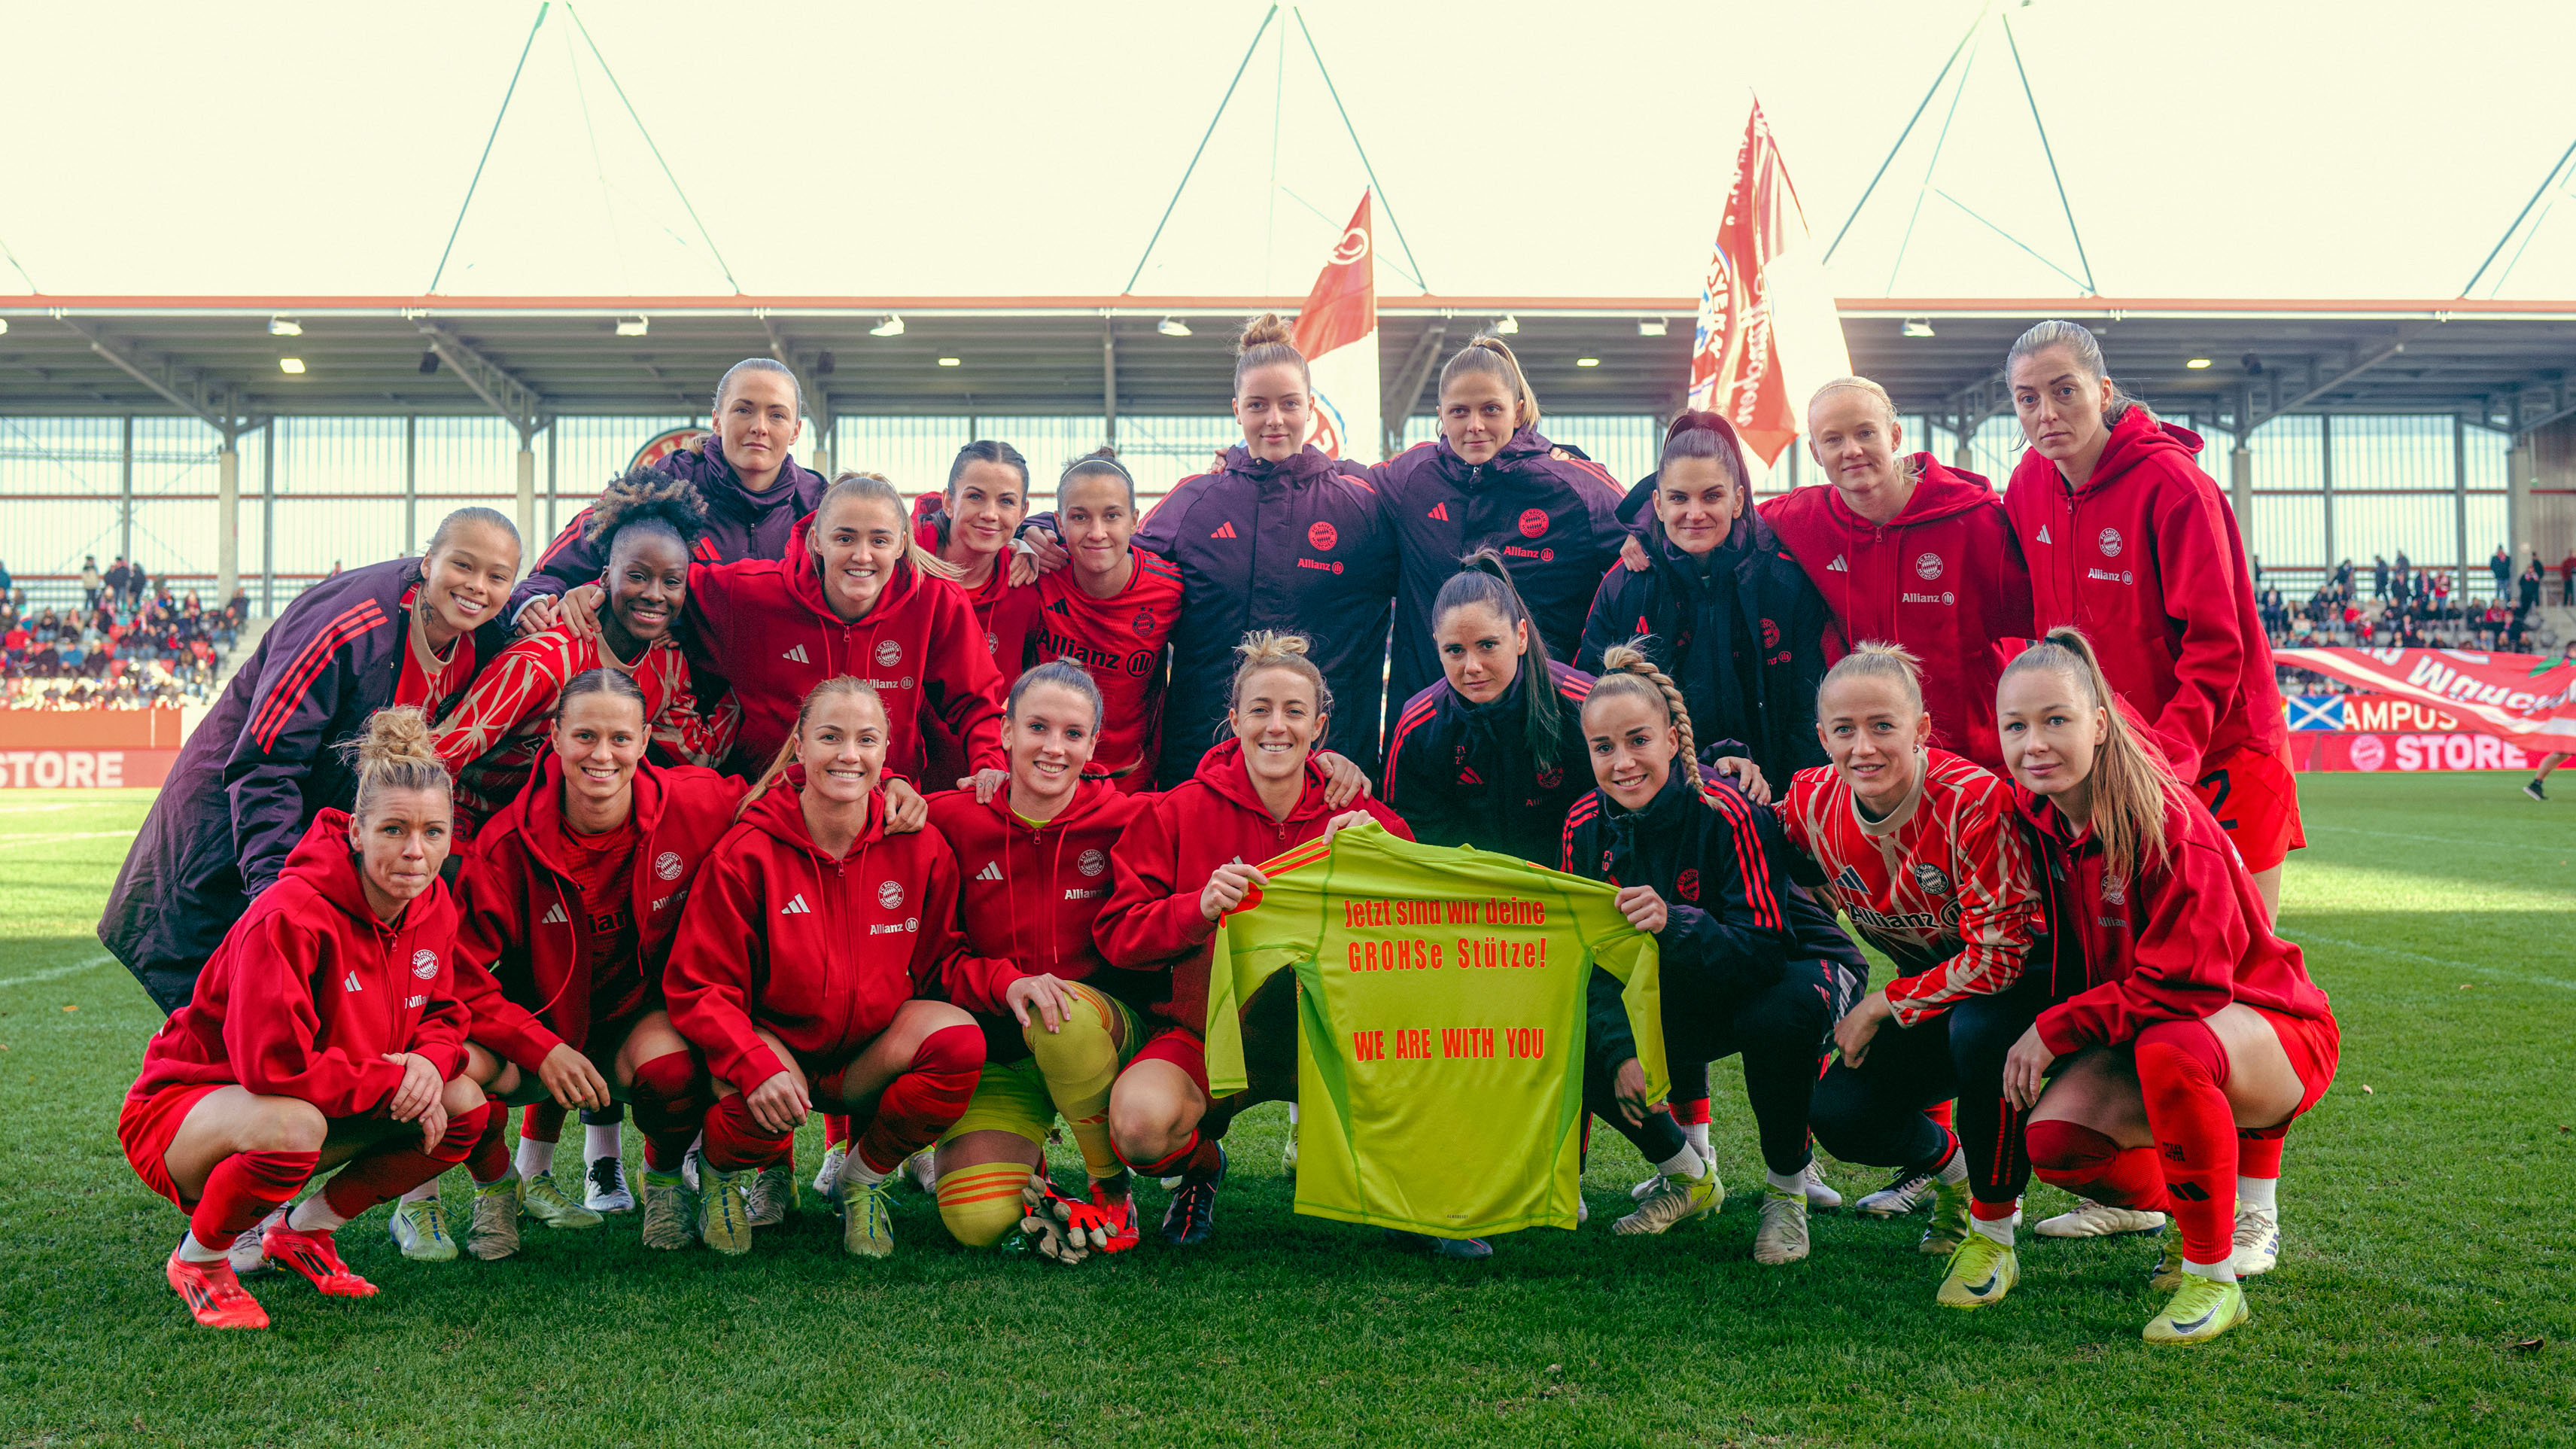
(1173, 327)
(635, 326)
(892, 326)
(284, 326)
(291, 366)
(1918, 326)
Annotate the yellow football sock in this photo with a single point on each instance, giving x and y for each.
(980, 1204)
(1081, 1063)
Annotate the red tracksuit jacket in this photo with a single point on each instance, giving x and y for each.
(1028, 894)
(523, 938)
(1009, 616)
(1152, 921)
(2145, 559)
(818, 951)
(2182, 940)
(309, 990)
(1943, 579)
(919, 648)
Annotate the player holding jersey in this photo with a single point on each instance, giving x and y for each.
(1921, 850)
(2200, 1036)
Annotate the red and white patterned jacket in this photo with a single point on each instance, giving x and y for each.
(493, 740)
(1944, 884)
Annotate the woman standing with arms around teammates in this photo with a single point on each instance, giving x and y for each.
(819, 968)
(856, 597)
(1192, 855)
(1721, 607)
(1032, 864)
(2201, 1030)
(1490, 481)
(265, 761)
(569, 900)
(1111, 610)
(1924, 852)
(1281, 537)
(1492, 754)
(645, 524)
(970, 527)
(2130, 542)
(754, 492)
(325, 1032)
(1749, 964)
(1911, 553)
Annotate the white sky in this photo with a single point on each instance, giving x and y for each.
(2210, 149)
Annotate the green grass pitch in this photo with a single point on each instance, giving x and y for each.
(2430, 1207)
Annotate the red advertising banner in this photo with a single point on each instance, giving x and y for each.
(2407, 753)
(2520, 698)
(61, 769)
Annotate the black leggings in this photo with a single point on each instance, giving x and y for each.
(1781, 1032)
(1873, 1114)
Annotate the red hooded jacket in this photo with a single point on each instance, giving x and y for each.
(919, 648)
(1009, 616)
(2146, 560)
(309, 990)
(817, 951)
(523, 936)
(1943, 579)
(1029, 893)
(1152, 921)
(2184, 939)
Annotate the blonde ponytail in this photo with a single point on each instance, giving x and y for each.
(2132, 785)
(1265, 649)
(1871, 659)
(1626, 669)
(1492, 357)
(396, 753)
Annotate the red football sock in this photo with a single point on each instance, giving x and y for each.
(735, 1141)
(836, 1129)
(396, 1166)
(2258, 1154)
(670, 1104)
(1690, 1111)
(2088, 1164)
(244, 1188)
(541, 1121)
(2181, 1070)
(924, 1099)
(1197, 1158)
(1993, 1211)
(1939, 1112)
(490, 1161)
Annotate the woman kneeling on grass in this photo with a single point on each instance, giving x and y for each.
(325, 1032)
(1032, 864)
(569, 901)
(819, 968)
(2201, 1027)
(1189, 858)
(1750, 964)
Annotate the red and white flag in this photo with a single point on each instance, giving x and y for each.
(1337, 332)
(1767, 335)
(2520, 698)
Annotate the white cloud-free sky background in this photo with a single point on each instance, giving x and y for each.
(2210, 149)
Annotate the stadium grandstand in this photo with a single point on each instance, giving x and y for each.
(2406, 470)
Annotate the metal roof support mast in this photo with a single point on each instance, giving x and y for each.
(498, 116)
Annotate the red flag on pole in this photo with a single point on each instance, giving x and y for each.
(1337, 332)
(1735, 353)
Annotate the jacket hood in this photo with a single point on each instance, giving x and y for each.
(1941, 492)
(798, 486)
(1303, 466)
(805, 581)
(1089, 795)
(1521, 448)
(1222, 769)
(324, 861)
(538, 815)
(2136, 439)
(780, 814)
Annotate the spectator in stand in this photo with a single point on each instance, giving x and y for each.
(91, 581)
(2502, 567)
(2529, 597)
(2400, 572)
(2343, 579)
(2378, 577)
(136, 582)
(2566, 578)
(335, 570)
(118, 575)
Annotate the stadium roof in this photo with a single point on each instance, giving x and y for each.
(2499, 363)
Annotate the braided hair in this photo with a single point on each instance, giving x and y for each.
(1627, 670)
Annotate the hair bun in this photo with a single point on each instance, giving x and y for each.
(1270, 646)
(396, 735)
(1262, 331)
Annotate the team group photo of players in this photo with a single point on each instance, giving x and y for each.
(913, 806)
